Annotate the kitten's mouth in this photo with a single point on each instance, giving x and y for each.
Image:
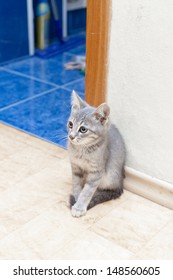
(73, 140)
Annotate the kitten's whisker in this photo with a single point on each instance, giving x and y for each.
(60, 138)
(59, 133)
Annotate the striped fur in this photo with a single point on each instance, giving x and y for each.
(97, 155)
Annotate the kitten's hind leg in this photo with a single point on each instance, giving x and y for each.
(72, 200)
(104, 195)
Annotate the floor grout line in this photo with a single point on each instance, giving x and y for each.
(72, 90)
(39, 80)
(74, 81)
(40, 94)
(28, 76)
(28, 99)
(142, 249)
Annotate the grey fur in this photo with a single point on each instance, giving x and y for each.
(97, 156)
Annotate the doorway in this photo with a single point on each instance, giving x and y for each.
(97, 45)
(36, 92)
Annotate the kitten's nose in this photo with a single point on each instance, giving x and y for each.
(71, 137)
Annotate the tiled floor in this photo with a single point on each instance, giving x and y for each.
(36, 222)
(35, 94)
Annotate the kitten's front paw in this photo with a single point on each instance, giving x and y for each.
(77, 212)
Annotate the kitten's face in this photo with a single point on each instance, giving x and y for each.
(81, 128)
(86, 124)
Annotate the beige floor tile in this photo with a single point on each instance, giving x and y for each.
(133, 223)
(160, 247)
(9, 145)
(21, 165)
(28, 198)
(44, 236)
(37, 224)
(3, 152)
(22, 205)
(101, 210)
(21, 140)
(90, 246)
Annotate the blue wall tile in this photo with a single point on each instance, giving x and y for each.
(13, 29)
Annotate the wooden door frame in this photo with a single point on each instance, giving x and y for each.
(97, 46)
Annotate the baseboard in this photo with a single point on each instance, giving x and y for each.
(151, 188)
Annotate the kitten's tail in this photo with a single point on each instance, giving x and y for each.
(104, 195)
(72, 200)
(99, 197)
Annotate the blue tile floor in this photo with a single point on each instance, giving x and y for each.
(35, 95)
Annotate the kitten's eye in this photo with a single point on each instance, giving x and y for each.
(83, 129)
(70, 124)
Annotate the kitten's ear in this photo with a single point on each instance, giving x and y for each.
(76, 102)
(102, 113)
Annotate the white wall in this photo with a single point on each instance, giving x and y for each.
(140, 83)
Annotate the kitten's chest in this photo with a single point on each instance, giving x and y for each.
(86, 161)
(82, 164)
(82, 160)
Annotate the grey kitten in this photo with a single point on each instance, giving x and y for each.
(97, 155)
